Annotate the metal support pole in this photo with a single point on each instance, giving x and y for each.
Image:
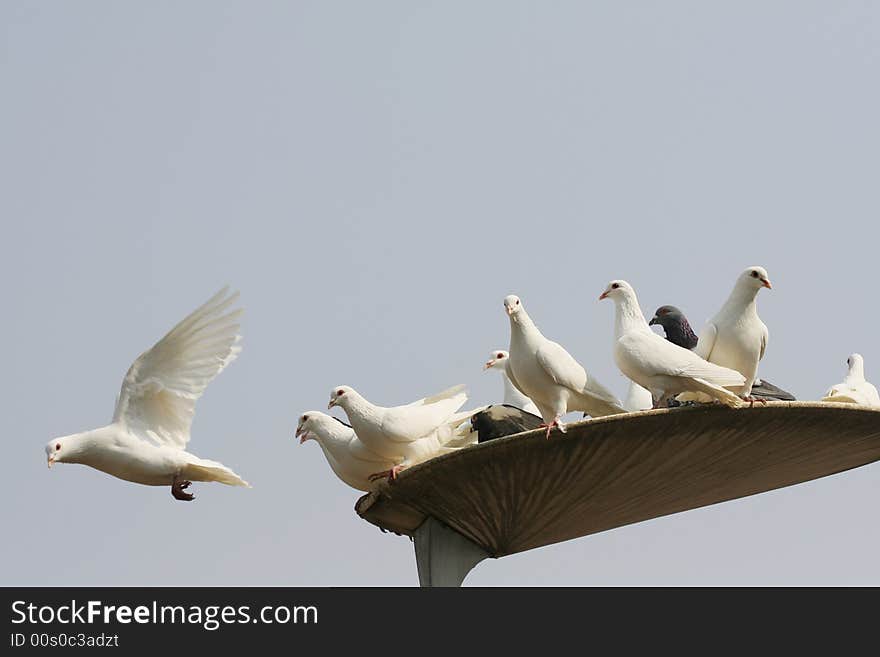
(443, 556)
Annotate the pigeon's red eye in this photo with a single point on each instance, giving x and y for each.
(614, 286)
(57, 446)
(339, 393)
(499, 356)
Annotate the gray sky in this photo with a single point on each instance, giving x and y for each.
(375, 178)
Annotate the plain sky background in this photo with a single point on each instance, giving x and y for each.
(375, 178)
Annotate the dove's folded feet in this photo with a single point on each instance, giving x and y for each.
(178, 490)
(391, 474)
(752, 400)
(556, 423)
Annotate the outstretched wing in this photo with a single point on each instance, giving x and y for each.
(160, 390)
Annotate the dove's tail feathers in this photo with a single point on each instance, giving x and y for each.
(455, 391)
(595, 406)
(722, 376)
(841, 398)
(463, 435)
(465, 416)
(205, 470)
(601, 408)
(456, 430)
(717, 392)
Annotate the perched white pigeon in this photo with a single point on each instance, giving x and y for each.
(499, 360)
(146, 441)
(655, 363)
(549, 375)
(736, 337)
(352, 462)
(637, 398)
(407, 434)
(854, 389)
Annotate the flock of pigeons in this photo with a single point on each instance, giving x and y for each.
(147, 438)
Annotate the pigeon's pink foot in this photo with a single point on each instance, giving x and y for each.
(178, 490)
(752, 400)
(391, 474)
(549, 427)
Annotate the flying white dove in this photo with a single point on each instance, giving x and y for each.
(352, 462)
(409, 434)
(499, 360)
(549, 375)
(736, 337)
(854, 389)
(146, 441)
(655, 363)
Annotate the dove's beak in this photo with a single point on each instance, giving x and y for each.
(302, 433)
(508, 310)
(489, 364)
(766, 283)
(50, 461)
(331, 404)
(604, 295)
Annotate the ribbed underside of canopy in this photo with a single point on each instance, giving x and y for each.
(523, 492)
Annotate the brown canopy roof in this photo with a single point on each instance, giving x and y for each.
(523, 492)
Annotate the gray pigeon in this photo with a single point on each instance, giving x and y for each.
(673, 321)
(679, 331)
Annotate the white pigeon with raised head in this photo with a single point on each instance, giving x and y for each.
(658, 365)
(854, 389)
(736, 337)
(407, 434)
(549, 375)
(146, 441)
(499, 360)
(347, 456)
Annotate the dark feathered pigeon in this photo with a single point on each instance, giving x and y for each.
(679, 331)
(502, 420)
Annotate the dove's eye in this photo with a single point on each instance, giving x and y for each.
(305, 418)
(615, 286)
(57, 446)
(517, 302)
(754, 274)
(339, 393)
(499, 356)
